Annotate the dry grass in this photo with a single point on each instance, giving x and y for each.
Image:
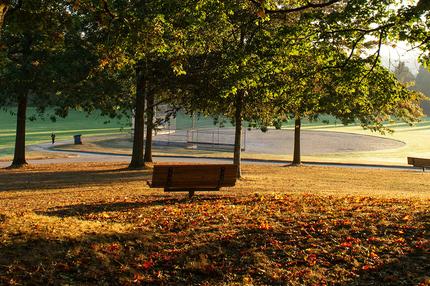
(100, 224)
(37, 155)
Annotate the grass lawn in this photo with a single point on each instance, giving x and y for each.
(39, 131)
(417, 139)
(100, 224)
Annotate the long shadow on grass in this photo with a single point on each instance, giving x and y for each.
(270, 257)
(411, 269)
(89, 260)
(160, 200)
(30, 180)
(145, 201)
(136, 258)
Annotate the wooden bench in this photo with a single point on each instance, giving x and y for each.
(193, 177)
(419, 162)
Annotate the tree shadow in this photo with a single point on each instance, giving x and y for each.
(145, 201)
(411, 269)
(42, 261)
(151, 258)
(254, 253)
(211, 255)
(124, 259)
(29, 180)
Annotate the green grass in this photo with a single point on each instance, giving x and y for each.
(40, 130)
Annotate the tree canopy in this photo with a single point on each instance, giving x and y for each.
(31, 38)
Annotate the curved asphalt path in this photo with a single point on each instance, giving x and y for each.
(86, 157)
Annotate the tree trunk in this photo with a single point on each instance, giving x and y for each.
(4, 5)
(149, 126)
(139, 118)
(19, 155)
(238, 133)
(297, 155)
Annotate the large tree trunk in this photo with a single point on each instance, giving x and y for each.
(297, 155)
(238, 133)
(139, 118)
(149, 126)
(19, 155)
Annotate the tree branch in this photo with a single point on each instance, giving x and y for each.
(16, 7)
(366, 31)
(378, 53)
(354, 45)
(107, 10)
(426, 40)
(297, 9)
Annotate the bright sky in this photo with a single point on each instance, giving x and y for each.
(391, 56)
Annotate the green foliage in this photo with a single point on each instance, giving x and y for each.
(290, 58)
(31, 37)
(238, 64)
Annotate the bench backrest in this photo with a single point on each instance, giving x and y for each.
(419, 162)
(193, 175)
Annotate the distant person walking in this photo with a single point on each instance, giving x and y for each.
(53, 138)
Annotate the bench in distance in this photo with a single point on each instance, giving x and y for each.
(419, 162)
(193, 177)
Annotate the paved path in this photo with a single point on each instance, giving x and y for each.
(281, 142)
(85, 157)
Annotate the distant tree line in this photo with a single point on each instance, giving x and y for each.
(422, 84)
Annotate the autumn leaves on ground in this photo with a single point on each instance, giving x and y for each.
(100, 224)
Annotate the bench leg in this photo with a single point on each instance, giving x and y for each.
(190, 193)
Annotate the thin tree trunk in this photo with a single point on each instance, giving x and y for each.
(3, 10)
(238, 134)
(19, 154)
(149, 126)
(139, 118)
(297, 155)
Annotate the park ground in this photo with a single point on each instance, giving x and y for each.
(336, 143)
(99, 224)
(319, 143)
